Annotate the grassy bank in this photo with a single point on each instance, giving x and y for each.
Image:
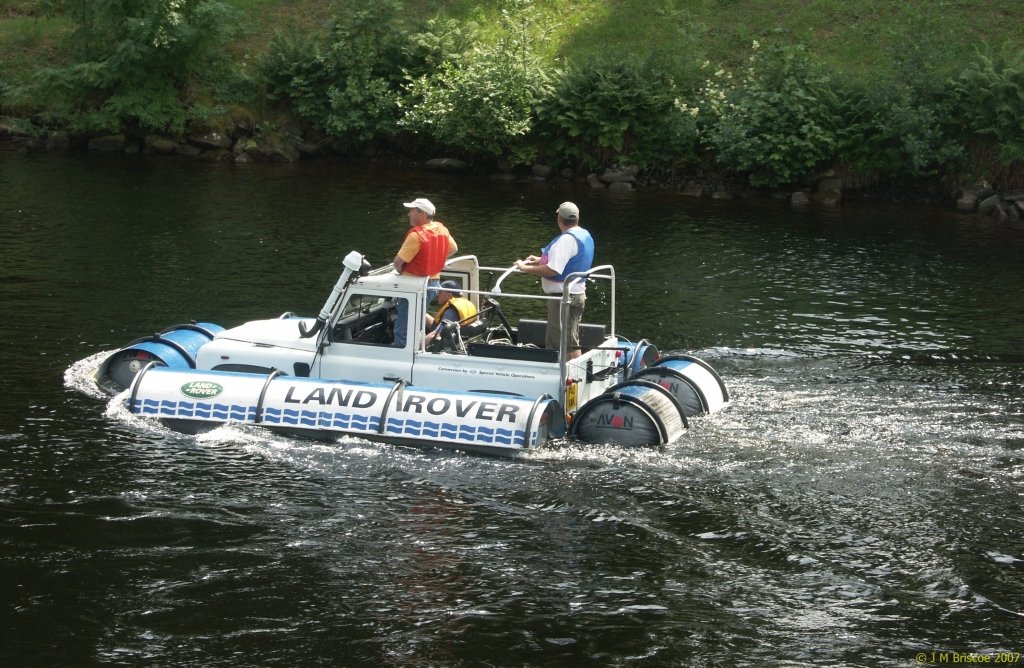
(869, 39)
(766, 92)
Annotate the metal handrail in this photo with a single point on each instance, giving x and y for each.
(563, 311)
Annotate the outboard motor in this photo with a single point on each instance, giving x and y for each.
(639, 356)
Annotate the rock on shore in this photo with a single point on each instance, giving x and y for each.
(984, 199)
(239, 138)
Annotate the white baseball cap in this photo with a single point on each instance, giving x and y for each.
(422, 204)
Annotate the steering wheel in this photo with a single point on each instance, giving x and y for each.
(373, 333)
(448, 337)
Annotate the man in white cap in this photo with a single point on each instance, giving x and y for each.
(570, 252)
(424, 251)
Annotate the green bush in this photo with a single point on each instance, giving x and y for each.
(294, 71)
(775, 122)
(135, 60)
(894, 130)
(618, 110)
(990, 99)
(347, 82)
(483, 101)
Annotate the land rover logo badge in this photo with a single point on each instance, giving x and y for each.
(201, 389)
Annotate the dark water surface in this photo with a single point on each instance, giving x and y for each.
(860, 502)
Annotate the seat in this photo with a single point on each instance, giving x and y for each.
(473, 329)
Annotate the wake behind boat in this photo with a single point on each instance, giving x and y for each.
(484, 386)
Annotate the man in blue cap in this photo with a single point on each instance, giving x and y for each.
(454, 308)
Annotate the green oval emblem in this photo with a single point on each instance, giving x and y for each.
(201, 389)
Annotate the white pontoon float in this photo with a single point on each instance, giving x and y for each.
(487, 387)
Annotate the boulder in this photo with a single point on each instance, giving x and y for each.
(273, 148)
(799, 200)
(293, 128)
(188, 150)
(308, 148)
(693, 190)
(1001, 211)
(620, 174)
(967, 200)
(620, 186)
(14, 127)
(594, 182)
(983, 188)
(243, 145)
(217, 155)
(828, 197)
(989, 205)
(831, 183)
(108, 143)
(211, 139)
(541, 172)
(58, 141)
(158, 144)
(241, 119)
(446, 165)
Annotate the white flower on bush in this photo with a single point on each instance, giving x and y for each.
(174, 16)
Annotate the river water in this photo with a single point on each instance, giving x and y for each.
(858, 504)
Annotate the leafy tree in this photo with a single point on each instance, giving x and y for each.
(137, 60)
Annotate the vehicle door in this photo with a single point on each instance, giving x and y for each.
(360, 343)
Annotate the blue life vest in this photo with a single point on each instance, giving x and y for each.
(584, 257)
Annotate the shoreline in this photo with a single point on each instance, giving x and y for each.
(825, 191)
